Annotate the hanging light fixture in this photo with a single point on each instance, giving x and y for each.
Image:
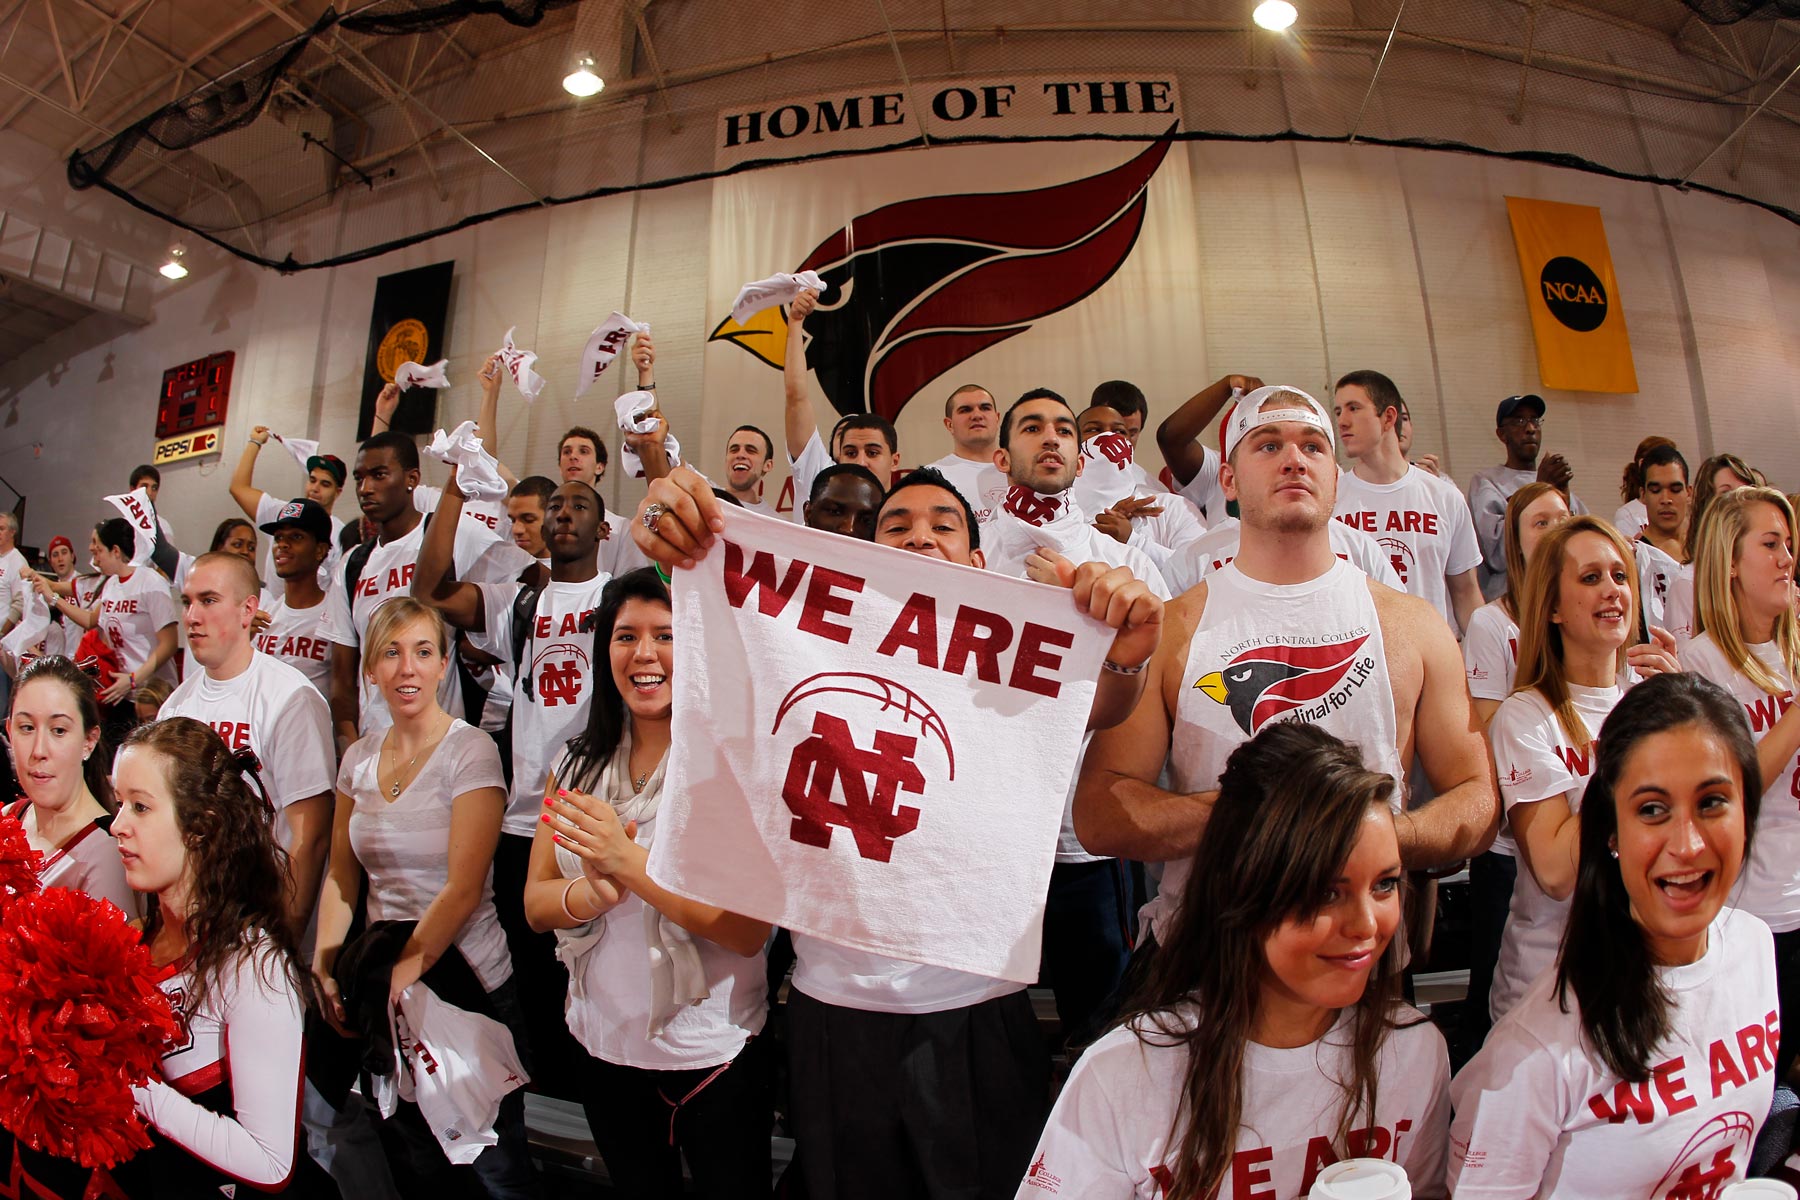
(583, 80)
(174, 268)
(1275, 15)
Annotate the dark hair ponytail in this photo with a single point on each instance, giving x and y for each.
(96, 771)
(1604, 958)
(240, 873)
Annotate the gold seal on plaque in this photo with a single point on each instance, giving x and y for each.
(406, 341)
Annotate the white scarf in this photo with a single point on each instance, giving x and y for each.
(518, 364)
(752, 298)
(677, 976)
(603, 345)
(412, 375)
(477, 474)
(633, 410)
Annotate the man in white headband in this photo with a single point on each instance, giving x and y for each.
(1286, 631)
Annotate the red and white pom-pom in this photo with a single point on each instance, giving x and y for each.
(19, 863)
(81, 1021)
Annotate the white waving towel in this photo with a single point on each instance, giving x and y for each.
(477, 474)
(752, 298)
(633, 409)
(136, 508)
(603, 345)
(412, 375)
(518, 365)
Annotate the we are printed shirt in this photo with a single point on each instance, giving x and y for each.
(1770, 884)
(297, 637)
(273, 711)
(1111, 1134)
(1422, 523)
(478, 555)
(133, 610)
(1535, 761)
(1537, 1115)
(555, 684)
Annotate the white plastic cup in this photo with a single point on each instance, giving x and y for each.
(1759, 1189)
(1363, 1179)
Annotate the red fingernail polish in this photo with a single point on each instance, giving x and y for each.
(546, 818)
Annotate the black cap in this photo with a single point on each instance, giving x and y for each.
(1513, 404)
(328, 462)
(308, 516)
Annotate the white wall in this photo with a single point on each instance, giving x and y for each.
(1316, 260)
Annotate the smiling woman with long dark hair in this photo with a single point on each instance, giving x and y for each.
(1646, 1060)
(1270, 1031)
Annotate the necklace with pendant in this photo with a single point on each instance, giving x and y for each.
(394, 788)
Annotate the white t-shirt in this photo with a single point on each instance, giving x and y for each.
(478, 557)
(1770, 884)
(612, 1019)
(133, 610)
(835, 974)
(491, 515)
(561, 663)
(813, 459)
(1112, 1133)
(1422, 523)
(1538, 1115)
(1491, 652)
(296, 636)
(272, 710)
(1535, 761)
(1204, 488)
(403, 843)
(981, 484)
(12, 586)
(1631, 518)
(1219, 545)
(618, 553)
(268, 509)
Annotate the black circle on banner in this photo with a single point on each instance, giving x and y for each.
(1573, 293)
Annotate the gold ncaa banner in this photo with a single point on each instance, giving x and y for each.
(1582, 344)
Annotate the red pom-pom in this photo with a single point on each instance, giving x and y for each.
(19, 863)
(81, 1021)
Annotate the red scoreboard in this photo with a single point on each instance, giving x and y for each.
(194, 395)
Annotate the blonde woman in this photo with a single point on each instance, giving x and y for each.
(1718, 476)
(1578, 613)
(418, 815)
(1748, 642)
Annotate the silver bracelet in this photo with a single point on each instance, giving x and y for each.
(1107, 664)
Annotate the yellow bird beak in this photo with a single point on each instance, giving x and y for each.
(765, 336)
(1213, 685)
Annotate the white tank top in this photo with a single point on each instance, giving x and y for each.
(1266, 652)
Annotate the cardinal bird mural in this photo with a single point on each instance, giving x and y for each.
(1262, 684)
(916, 287)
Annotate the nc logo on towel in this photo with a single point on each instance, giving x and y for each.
(831, 763)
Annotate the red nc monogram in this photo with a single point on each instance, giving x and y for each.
(1115, 446)
(830, 756)
(1032, 507)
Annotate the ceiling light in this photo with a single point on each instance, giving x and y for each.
(1275, 15)
(583, 81)
(173, 269)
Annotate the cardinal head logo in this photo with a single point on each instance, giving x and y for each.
(915, 287)
(862, 752)
(1268, 682)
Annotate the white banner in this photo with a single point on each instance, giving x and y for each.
(1008, 266)
(136, 508)
(874, 752)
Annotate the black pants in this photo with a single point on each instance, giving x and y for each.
(720, 1119)
(1491, 879)
(1087, 942)
(543, 982)
(928, 1106)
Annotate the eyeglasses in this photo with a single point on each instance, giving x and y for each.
(1525, 422)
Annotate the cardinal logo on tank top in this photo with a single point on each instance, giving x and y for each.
(1273, 681)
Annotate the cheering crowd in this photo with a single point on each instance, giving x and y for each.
(382, 794)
